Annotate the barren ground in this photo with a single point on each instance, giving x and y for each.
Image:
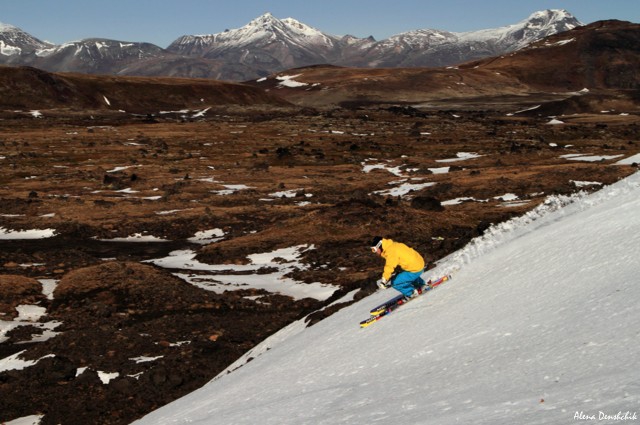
(307, 183)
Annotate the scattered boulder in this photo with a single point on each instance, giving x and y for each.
(427, 203)
(16, 290)
(123, 287)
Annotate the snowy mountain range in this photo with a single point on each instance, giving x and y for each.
(267, 45)
(539, 325)
(443, 48)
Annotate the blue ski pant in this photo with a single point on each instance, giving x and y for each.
(406, 282)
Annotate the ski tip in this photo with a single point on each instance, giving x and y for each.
(368, 322)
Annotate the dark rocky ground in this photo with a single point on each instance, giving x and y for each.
(58, 172)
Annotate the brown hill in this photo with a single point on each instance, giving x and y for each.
(30, 88)
(327, 85)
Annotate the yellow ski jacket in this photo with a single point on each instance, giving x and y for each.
(398, 254)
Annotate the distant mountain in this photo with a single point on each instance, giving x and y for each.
(264, 45)
(95, 56)
(267, 45)
(442, 48)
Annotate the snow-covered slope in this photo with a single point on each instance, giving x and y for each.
(537, 26)
(267, 44)
(95, 55)
(539, 325)
(260, 33)
(429, 47)
(14, 41)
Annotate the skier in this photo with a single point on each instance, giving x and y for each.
(397, 254)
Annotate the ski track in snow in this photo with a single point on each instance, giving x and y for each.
(540, 216)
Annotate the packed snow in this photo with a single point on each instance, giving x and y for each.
(539, 325)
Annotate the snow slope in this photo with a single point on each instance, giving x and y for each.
(539, 325)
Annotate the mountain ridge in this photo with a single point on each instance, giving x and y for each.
(267, 45)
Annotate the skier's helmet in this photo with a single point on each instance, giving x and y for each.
(376, 243)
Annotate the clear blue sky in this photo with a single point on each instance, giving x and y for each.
(162, 21)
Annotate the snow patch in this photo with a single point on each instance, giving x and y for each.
(230, 189)
(630, 160)
(589, 158)
(288, 81)
(136, 237)
(107, 377)
(440, 170)
(403, 189)
(7, 234)
(461, 156)
(26, 420)
(268, 270)
(14, 362)
(145, 359)
(206, 237)
(396, 171)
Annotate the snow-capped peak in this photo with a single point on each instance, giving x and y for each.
(557, 19)
(263, 31)
(6, 27)
(14, 41)
(551, 15)
(537, 26)
(421, 39)
(268, 22)
(301, 28)
(264, 21)
(267, 28)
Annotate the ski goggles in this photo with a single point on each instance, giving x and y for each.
(376, 247)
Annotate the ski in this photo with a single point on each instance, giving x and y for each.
(386, 308)
(398, 300)
(382, 307)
